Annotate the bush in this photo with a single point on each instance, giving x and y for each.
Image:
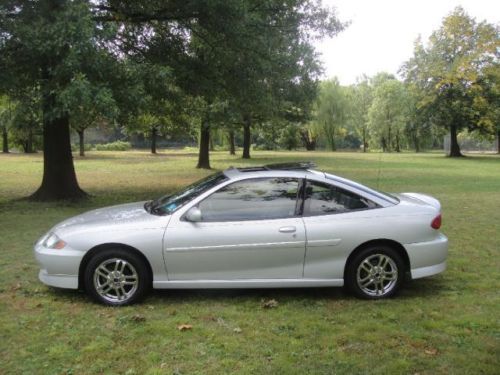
(76, 147)
(114, 146)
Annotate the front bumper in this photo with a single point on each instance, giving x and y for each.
(428, 258)
(58, 268)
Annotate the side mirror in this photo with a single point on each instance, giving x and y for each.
(193, 215)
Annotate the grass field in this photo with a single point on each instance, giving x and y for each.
(447, 324)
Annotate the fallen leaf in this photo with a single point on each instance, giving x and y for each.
(269, 304)
(431, 351)
(184, 327)
(138, 318)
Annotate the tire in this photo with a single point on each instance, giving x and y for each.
(117, 277)
(375, 272)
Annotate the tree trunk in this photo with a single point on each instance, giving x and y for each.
(204, 154)
(5, 140)
(81, 140)
(398, 148)
(454, 146)
(29, 142)
(154, 133)
(247, 122)
(333, 146)
(59, 177)
(384, 144)
(212, 147)
(308, 141)
(364, 140)
(232, 148)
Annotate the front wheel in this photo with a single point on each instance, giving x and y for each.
(375, 272)
(117, 277)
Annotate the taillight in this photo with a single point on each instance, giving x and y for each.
(436, 223)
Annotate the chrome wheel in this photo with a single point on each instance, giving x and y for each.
(377, 275)
(116, 280)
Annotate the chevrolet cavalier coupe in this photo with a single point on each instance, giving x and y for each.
(282, 225)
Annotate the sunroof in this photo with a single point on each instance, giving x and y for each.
(302, 165)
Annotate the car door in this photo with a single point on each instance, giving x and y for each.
(250, 229)
(336, 220)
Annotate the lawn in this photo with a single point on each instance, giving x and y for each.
(446, 324)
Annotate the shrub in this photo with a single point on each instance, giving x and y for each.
(114, 146)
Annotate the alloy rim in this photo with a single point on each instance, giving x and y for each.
(377, 275)
(116, 280)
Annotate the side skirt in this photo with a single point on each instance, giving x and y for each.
(248, 283)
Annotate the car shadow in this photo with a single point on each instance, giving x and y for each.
(416, 289)
(186, 295)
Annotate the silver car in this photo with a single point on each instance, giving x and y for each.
(282, 225)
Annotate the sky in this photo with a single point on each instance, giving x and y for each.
(381, 34)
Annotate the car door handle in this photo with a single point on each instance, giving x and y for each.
(288, 229)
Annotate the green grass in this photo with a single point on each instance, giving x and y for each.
(447, 324)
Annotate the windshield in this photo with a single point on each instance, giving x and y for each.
(169, 203)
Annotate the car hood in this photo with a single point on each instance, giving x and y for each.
(130, 215)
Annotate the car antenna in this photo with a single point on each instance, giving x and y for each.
(379, 167)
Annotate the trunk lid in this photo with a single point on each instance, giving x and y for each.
(418, 198)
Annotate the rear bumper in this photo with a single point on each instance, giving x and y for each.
(427, 258)
(58, 268)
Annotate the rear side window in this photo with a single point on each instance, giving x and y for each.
(324, 199)
(252, 199)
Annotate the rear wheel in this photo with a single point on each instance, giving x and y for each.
(117, 277)
(375, 272)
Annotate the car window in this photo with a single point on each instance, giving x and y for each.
(324, 199)
(252, 199)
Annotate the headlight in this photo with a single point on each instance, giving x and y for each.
(53, 242)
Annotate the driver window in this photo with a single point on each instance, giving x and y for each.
(252, 199)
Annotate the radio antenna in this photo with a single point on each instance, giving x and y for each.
(379, 167)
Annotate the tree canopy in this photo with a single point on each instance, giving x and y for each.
(451, 74)
(69, 49)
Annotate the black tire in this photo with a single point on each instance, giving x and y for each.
(126, 287)
(375, 281)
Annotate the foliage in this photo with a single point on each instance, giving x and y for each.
(331, 111)
(289, 137)
(360, 97)
(26, 127)
(114, 146)
(387, 114)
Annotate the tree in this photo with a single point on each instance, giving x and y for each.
(387, 114)
(331, 111)
(89, 104)
(360, 98)
(47, 44)
(449, 69)
(26, 125)
(418, 129)
(5, 121)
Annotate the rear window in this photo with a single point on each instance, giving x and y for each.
(379, 194)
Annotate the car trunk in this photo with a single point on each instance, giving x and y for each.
(420, 199)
